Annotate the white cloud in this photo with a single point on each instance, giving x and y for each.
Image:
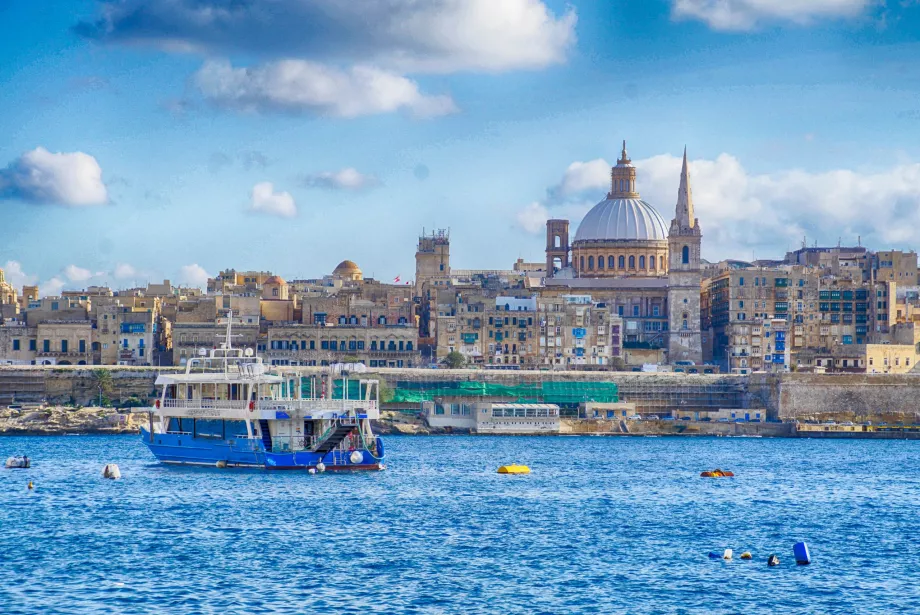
(403, 35)
(193, 275)
(582, 176)
(533, 217)
(748, 14)
(767, 214)
(52, 287)
(346, 179)
(78, 274)
(266, 200)
(69, 179)
(298, 86)
(14, 275)
(124, 271)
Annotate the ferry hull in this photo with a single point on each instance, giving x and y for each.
(182, 449)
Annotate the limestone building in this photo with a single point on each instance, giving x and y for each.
(647, 272)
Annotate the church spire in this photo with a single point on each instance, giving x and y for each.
(624, 157)
(684, 212)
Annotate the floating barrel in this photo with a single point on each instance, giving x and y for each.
(773, 560)
(746, 555)
(800, 551)
(111, 471)
(727, 554)
(714, 555)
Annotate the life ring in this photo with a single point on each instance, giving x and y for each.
(158, 404)
(252, 406)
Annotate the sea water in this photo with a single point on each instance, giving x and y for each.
(601, 525)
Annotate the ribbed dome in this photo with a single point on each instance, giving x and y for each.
(626, 219)
(274, 280)
(347, 267)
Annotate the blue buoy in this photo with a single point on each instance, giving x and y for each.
(713, 555)
(800, 551)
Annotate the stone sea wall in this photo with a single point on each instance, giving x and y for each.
(784, 396)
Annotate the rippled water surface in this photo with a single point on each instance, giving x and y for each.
(602, 525)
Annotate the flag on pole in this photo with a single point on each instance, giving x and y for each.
(396, 280)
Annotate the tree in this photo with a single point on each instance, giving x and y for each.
(455, 360)
(618, 364)
(103, 383)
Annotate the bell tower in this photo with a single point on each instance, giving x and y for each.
(684, 277)
(557, 246)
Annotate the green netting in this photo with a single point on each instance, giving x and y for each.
(534, 392)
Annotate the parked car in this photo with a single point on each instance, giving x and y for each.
(740, 421)
(667, 418)
(652, 417)
(724, 420)
(685, 418)
(634, 417)
(847, 423)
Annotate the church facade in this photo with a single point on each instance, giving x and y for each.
(646, 271)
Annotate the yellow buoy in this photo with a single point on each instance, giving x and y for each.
(746, 555)
(31, 486)
(514, 469)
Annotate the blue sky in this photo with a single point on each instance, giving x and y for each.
(169, 138)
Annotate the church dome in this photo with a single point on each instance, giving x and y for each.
(274, 280)
(348, 270)
(622, 219)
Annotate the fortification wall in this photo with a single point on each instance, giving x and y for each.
(857, 397)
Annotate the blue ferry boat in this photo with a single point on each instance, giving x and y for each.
(229, 410)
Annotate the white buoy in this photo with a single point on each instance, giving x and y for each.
(321, 467)
(221, 464)
(727, 554)
(311, 471)
(111, 471)
(356, 457)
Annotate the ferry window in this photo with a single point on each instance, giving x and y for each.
(173, 425)
(209, 428)
(187, 425)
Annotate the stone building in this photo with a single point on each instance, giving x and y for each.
(626, 256)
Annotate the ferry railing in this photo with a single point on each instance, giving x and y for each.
(228, 404)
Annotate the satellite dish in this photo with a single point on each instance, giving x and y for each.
(248, 352)
(202, 352)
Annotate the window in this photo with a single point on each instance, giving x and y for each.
(46, 345)
(635, 310)
(83, 345)
(685, 323)
(651, 262)
(621, 262)
(641, 262)
(685, 255)
(312, 344)
(740, 280)
(582, 262)
(590, 263)
(15, 344)
(600, 262)
(655, 310)
(610, 262)
(632, 262)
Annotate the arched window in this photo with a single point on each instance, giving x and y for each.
(558, 241)
(641, 262)
(590, 263)
(353, 320)
(651, 262)
(600, 262)
(685, 319)
(382, 320)
(609, 262)
(341, 320)
(582, 264)
(621, 263)
(685, 256)
(632, 262)
(661, 262)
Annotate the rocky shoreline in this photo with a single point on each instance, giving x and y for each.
(61, 420)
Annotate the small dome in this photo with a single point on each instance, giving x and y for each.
(624, 219)
(274, 280)
(348, 267)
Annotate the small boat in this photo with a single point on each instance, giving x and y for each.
(19, 462)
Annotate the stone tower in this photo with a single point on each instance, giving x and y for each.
(684, 238)
(557, 246)
(432, 259)
(623, 178)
